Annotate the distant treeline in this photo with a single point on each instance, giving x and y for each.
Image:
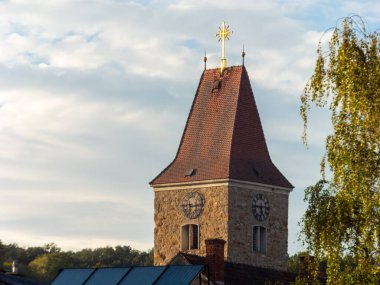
(42, 263)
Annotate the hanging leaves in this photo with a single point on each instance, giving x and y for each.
(343, 215)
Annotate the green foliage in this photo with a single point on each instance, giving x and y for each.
(343, 215)
(11, 252)
(43, 263)
(294, 262)
(45, 267)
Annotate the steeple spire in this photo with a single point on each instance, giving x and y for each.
(223, 34)
(205, 59)
(243, 54)
(235, 146)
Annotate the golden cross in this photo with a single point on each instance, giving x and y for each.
(223, 34)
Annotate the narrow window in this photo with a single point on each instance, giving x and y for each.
(259, 239)
(263, 240)
(190, 237)
(256, 238)
(185, 237)
(194, 239)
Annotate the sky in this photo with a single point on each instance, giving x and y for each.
(94, 96)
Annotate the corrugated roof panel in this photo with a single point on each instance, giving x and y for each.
(107, 276)
(143, 275)
(179, 275)
(72, 276)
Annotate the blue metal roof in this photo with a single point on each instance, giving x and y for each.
(180, 275)
(107, 276)
(143, 275)
(149, 275)
(72, 276)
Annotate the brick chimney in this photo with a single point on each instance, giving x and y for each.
(215, 259)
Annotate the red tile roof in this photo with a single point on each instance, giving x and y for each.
(223, 137)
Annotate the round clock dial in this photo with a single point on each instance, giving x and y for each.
(192, 204)
(260, 207)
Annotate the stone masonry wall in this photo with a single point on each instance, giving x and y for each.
(240, 232)
(169, 217)
(227, 215)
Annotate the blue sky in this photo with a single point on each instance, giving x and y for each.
(94, 96)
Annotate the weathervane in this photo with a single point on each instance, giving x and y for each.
(223, 34)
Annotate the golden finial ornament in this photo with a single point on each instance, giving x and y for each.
(223, 34)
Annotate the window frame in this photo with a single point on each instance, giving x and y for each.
(187, 237)
(258, 245)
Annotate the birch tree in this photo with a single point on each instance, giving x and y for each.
(343, 214)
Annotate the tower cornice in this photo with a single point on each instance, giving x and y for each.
(221, 182)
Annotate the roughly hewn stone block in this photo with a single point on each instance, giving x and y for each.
(227, 214)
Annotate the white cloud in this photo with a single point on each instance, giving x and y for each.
(81, 242)
(368, 9)
(94, 96)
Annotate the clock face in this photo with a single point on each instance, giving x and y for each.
(192, 204)
(260, 207)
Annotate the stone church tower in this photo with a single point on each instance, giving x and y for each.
(222, 182)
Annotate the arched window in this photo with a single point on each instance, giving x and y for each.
(190, 237)
(259, 239)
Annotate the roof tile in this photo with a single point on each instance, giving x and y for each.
(223, 136)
